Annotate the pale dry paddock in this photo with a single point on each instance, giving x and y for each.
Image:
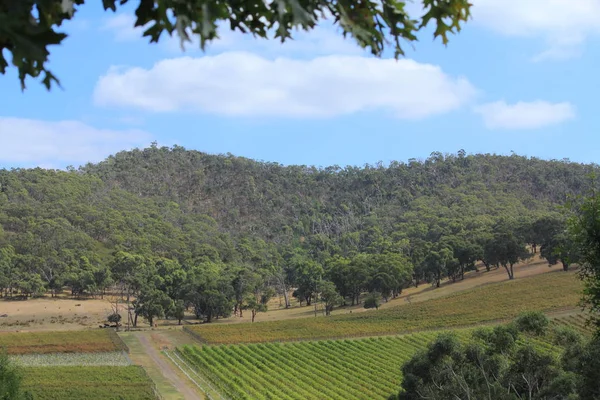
(53, 314)
(65, 313)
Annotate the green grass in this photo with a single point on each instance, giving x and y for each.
(89, 341)
(89, 383)
(485, 304)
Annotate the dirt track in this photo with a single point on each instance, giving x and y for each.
(166, 368)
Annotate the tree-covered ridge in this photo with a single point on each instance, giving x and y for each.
(219, 234)
(269, 198)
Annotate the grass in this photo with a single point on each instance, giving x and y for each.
(89, 341)
(107, 383)
(485, 304)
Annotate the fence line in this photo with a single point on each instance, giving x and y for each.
(188, 375)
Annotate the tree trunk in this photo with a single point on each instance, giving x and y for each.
(565, 266)
(253, 315)
(509, 271)
(286, 297)
(488, 267)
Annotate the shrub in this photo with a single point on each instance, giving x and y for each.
(373, 300)
(534, 322)
(114, 318)
(566, 336)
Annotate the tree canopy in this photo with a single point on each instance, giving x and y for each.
(505, 362)
(584, 229)
(29, 27)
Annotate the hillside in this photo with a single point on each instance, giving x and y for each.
(279, 202)
(209, 230)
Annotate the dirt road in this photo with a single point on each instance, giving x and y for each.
(168, 379)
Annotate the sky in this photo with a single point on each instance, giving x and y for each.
(520, 77)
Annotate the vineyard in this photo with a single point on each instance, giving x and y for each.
(330, 369)
(90, 341)
(106, 383)
(578, 321)
(489, 303)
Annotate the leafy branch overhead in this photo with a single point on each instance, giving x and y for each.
(29, 27)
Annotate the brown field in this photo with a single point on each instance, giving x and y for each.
(52, 314)
(90, 341)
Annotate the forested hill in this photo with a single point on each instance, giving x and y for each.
(190, 206)
(279, 202)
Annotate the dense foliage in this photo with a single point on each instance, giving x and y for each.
(176, 229)
(10, 380)
(29, 27)
(497, 364)
(585, 229)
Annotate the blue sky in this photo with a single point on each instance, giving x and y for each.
(520, 77)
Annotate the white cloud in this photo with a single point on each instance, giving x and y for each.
(563, 24)
(243, 84)
(524, 115)
(121, 25)
(34, 142)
